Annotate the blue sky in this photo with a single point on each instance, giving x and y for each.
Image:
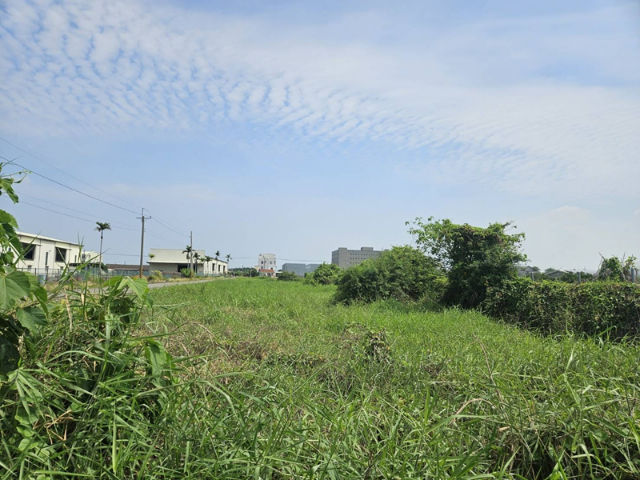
(299, 127)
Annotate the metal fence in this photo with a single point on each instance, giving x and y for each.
(54, 274)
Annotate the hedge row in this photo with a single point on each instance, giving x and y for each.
(594, 308)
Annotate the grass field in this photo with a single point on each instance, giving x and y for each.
(274, 381)
(287, 385)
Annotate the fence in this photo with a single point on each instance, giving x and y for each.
(54, 275)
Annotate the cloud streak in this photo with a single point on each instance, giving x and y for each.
(479, 102)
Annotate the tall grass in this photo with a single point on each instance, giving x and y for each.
(271, 380)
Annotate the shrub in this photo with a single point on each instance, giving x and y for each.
(594, 308)
(474, 258)
(325, 274)
(402, 273)
(288, 277)
(186, 272)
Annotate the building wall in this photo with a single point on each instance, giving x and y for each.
(41, 253)
(346, 258)
(267, 261)
(298, 268)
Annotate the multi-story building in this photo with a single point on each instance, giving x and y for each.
(267, 265)
(168, 260)
(346, 258)
(300, 268)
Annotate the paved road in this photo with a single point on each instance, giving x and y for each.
(168, 284)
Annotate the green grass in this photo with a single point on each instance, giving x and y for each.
(275, 382)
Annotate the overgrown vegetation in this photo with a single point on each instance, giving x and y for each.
(402, 273)
(288, 277)
(473, 258)
(261, 379)
(611, 309)
(325, 274)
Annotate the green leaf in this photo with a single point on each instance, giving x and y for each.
(13, 287)
(159, 359)
(139, 286)
(31, 318)
(7, 218)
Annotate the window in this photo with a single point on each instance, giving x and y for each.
(61, 254)
(28, 250)
(46, 258)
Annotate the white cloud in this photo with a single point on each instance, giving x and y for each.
(472, 98)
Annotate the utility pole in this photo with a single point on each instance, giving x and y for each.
(142, 240)
(191, 254)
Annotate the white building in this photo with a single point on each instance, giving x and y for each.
(267, 265)
(346, 258)
(172, 261)
(48, 256)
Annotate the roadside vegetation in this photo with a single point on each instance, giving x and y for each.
(375, 373)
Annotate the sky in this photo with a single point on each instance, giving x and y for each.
(296, 128)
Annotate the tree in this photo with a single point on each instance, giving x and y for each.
(217, 254)
(325, 274)
(188, 250)
(152, 256)
(207, 259)
(474, 258)
(101, 227)
(228, 257)
(288, 277)
(196, 257)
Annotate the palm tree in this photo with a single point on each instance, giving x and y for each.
(207, 259)
(189, 251)
(152, 256)
(196, 257)
(228, 257)
(101, 227)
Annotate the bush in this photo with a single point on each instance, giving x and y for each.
(288, 277)
(325, 274)
(186, 272)
(402, 273)
(595, 308)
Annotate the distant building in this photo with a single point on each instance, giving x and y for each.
(526, 271)
(300, 268)
(48, 256)
(267, 265)
(555, 274)
(168, 260)
(346, 258)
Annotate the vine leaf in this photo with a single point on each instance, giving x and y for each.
(13, 287)
(31, 318)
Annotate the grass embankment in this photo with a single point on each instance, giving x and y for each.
(290, 386)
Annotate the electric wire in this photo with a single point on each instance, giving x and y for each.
(66, 173)
(67, 215)
(78, 211)
(71, 188)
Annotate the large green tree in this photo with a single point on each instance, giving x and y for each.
(474, 258)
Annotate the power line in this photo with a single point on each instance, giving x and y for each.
(68, 174)
(161, 238)
(130, 227)
(66, 214)
(71, 188)
(169, 228)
